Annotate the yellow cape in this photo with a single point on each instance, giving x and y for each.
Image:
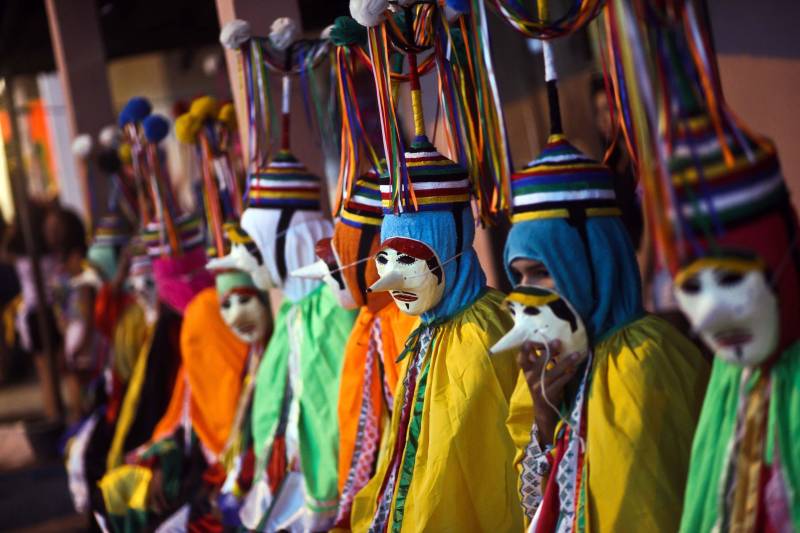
(463, 476)
(646, 390)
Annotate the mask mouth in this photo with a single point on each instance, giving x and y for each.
(733, 337)
(404, 296)
(247, 328)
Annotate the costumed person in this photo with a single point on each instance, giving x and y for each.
(739, 287)
(631, 415)
(86, 451)
(174, 241)
(245, 309)
(449, 456)
(369, 372)
(294, 423)
(182, 468)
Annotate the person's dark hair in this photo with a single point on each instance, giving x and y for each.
(74, 233)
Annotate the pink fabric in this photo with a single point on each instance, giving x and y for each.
(179, 279)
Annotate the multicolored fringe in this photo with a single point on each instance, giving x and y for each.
(579, 14)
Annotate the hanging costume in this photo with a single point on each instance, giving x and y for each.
(744, 474)
(646, 380)
(369, 371)
(299, 375)
(449, 458)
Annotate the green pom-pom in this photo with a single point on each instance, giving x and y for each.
(347, 32)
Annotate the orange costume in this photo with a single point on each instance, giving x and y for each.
(369, 373)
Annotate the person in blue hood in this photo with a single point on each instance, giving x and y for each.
(645, 381)
(449, 460)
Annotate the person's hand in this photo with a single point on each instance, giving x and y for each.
(558, 371)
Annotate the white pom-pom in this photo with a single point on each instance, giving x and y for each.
(283, 33)
(368, 13)
(82, 145)
(234, 34)
(109, 136)
(326, 33)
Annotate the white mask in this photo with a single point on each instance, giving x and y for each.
(328, 270)
(416, 282)
(542, 315)
(730, 304)
(246, 315)
(247, 259)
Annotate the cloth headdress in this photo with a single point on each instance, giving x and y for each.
(356, 239)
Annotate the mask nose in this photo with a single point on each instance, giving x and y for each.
(392, 281)
(513, 339)
(226, 262)
(317, 270)
(706, 316)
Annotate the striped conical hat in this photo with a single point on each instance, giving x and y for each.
(733, 192)
(189, 229)
(363, 207)
(112, 230)
(284, 184)
(560, 180)
(438, 182)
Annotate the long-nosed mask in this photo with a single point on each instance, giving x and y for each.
(328, 269)
(242, 306)
(731, 305)
(542, 315)
(411, 272)
(244, 256)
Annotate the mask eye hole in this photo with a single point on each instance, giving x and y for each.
(727, 278)
(244, 298)
(382, 259)
(511, 309)
(406, 260)
(691, 286)
(226, 304)
(530, 310)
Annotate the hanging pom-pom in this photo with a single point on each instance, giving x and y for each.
(186, 128)
(227, 115)
(109, 136)
(348, 32)
(108, 161)
(368, 13)
(234, 34)
(82, 145)
(283, 33)
(136, 110)
(155, 128)
(204, 108)
(125, 153)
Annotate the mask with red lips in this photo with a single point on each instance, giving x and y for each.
(410, 271)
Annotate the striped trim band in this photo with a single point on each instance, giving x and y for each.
(560, 180)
